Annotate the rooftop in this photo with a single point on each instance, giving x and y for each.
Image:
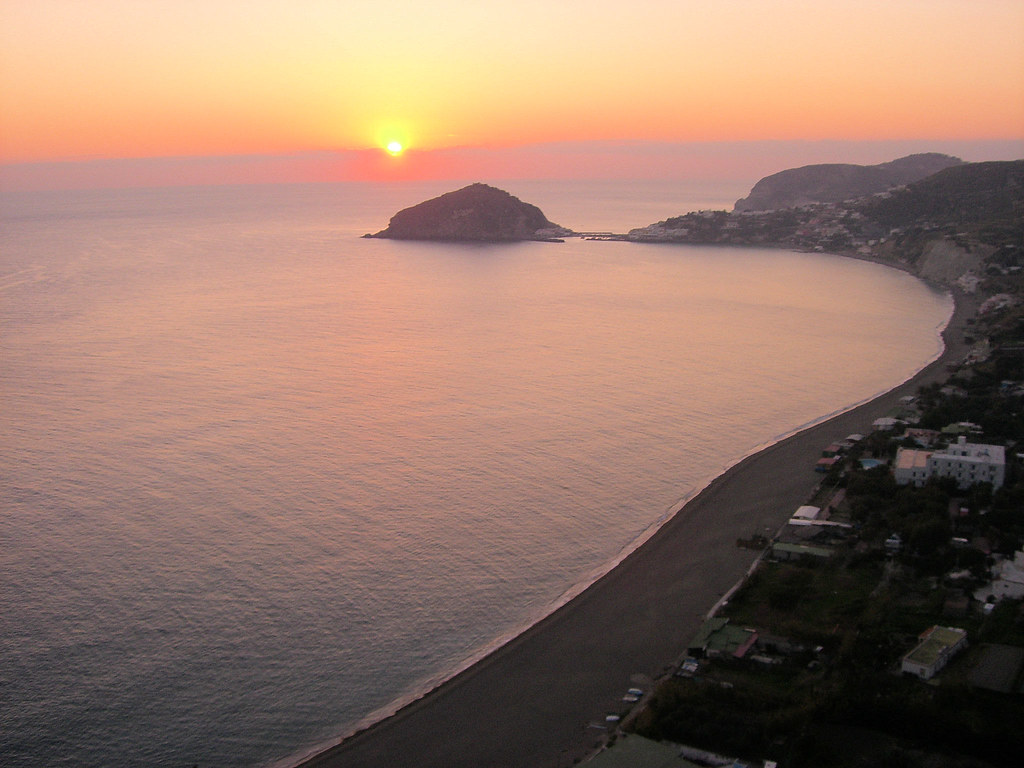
(935, 642)
(634, 751)
(980, 452)
(911, 458)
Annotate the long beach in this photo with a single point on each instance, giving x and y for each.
(540, 700)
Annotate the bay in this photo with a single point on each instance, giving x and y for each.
(261, 480)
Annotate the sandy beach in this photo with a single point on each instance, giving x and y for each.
(535, 702)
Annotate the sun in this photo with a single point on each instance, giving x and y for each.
(394, 147)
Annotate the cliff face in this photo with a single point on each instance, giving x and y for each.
(475, 213)
(833, 183)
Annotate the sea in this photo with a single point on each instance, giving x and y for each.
(263, 481)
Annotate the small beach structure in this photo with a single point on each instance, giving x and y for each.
(886, 423)
(936, 647)
(717, 637)
(826, 463)
(806, 512)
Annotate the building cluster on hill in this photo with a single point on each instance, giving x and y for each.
(833, 227)
(960, 226)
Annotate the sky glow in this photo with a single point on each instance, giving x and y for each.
(160, 78)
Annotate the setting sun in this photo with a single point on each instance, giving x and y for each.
(394, 147)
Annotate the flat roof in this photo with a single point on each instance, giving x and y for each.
(801, 549)
(936, 642)
(633, 751)
(807, 512)
(911, 458)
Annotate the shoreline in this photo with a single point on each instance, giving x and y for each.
(539, 699)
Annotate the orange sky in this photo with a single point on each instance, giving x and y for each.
(152, 78)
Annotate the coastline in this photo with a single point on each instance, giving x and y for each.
(534, 700)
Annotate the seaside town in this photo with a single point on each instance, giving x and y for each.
(883, 624)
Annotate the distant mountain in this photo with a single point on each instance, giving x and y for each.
(478, 213)
(835, 182)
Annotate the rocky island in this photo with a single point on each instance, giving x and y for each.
(477, 213)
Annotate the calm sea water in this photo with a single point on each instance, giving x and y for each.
(262, 480)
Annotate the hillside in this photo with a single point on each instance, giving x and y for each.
(973, 193)
(835, 182)
(478, 213)
(964, 223)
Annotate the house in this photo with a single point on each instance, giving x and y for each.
(936, 647)
(717, 637)
(1008, 580)
(911, 467)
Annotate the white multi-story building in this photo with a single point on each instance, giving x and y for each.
(911, 467)
(967, 463)
(970, 463)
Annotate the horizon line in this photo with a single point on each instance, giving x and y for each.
(740, 161)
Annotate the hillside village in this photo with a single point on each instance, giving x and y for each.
(961, 226)
(884, 622)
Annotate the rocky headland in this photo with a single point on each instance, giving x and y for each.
(963, 225)
(835, 182)
(477, 213)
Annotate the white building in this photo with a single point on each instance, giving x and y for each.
(1008, 581)
(937, 647)
(807, 512)
(967, 463)
(970, 463)
(911, 467)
